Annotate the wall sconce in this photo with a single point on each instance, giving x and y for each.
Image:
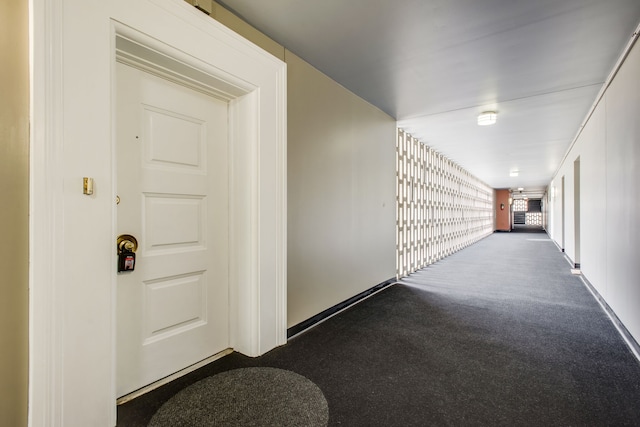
(501, 206)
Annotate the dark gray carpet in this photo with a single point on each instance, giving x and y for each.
(498, 334)
(246, 397)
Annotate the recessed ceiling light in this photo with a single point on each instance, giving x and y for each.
(514, 173)
(487, 118)
(520, 188)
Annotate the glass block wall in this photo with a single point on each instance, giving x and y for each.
(440, 207)
(533, 218)
(520, 205)
(530, 218)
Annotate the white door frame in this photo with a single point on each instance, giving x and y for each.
(72, 279)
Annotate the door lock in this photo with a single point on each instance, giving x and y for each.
(127, 245)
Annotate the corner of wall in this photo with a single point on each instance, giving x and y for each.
(14, 215)
(237, 24)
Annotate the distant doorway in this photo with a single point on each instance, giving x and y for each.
(562, 214)
(576, 210)
(527, 215)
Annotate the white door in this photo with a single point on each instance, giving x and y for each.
(172, 187)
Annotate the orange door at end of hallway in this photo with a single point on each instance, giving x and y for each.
(503, 210)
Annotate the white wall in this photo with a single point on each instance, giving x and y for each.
(341, 181)
(341, 193)
(609, 151)
(593, 182)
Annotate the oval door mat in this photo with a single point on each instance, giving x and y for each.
(246, 397)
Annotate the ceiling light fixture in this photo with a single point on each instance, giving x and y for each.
(487, 118)
(514, 173)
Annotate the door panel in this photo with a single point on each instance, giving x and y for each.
(173, 188)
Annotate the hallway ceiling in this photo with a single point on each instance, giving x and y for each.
(434, 65)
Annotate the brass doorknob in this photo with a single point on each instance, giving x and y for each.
(126, 243)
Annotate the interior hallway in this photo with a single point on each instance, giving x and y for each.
(499, 333)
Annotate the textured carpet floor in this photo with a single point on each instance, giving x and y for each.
(498, 334)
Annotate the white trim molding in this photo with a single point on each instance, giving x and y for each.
(46, 229)
(72, 282)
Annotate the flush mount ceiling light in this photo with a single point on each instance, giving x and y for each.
(514, 173)
(487, 118)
